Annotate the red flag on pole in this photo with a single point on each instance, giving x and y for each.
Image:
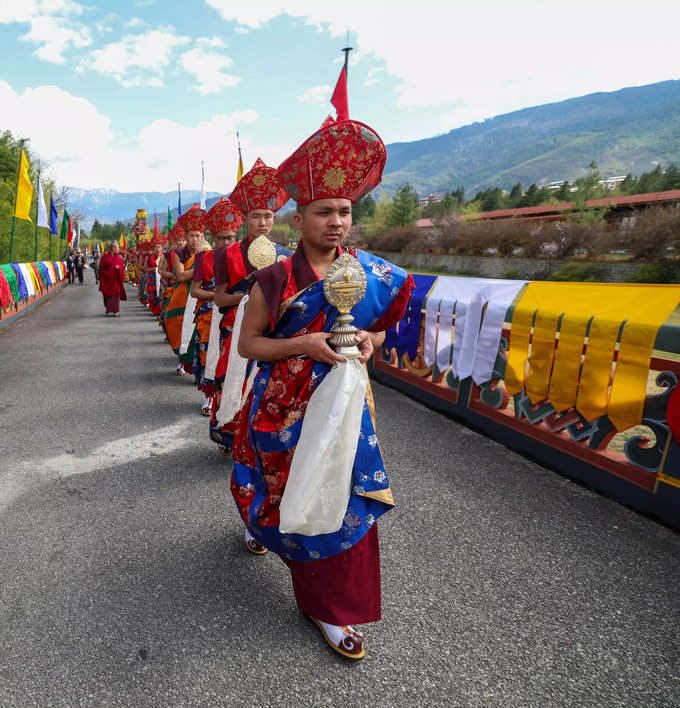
(155, 225)
(69, 238)
(339, 97)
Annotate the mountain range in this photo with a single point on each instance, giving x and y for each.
(629, 130)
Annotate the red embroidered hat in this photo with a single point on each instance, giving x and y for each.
(224, 216)
(259, 189)
(176, 232)
(342, 159)
(193, 220)
(159, 240)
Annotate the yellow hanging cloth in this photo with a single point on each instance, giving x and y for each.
(560, 374)
(22, 206)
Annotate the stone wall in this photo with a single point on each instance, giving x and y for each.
(496, 267)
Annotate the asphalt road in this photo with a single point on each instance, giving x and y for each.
(124, 580)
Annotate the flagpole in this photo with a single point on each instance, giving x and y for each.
(347, 49)
(16, 194)
(49, 228)
(35, 258)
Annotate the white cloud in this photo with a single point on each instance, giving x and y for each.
(372, 74)
(316, 94)
(136, 22)
(494, 56)
(136, 59)
(84, 150)
(51, 25)
(208, 68)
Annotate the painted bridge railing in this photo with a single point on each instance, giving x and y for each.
(23, 284)
(638, 466)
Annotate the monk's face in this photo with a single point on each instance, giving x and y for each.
(325, 223)
(221, 238)
(180, 243)
(194, 240)
(115, 249)
(259, 222)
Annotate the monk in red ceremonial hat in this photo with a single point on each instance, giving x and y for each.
(193, 223)
(258, 195)
(157, 243)
(224, 221)
(176, 242)
(112, 279)
(311, 487)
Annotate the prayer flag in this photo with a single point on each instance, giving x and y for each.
(65, 219)
(53, 216)
(22, 205)
(169, 220)
(42, 212)
(69, 236)
(179, 200)
(121, 240)
(339, 97)
(202, 204)
(155, 225)
(239, 172)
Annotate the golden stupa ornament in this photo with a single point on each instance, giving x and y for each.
(261, 252)
(344, 286)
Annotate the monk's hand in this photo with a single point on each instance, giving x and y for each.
(365, 344)
(317, 348)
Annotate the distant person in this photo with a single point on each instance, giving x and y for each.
(70, 267)
(95, 266)
(111, 280)
(79, 266)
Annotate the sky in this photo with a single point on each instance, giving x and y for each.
(131, 95)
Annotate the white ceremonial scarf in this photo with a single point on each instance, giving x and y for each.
(466, 298)
(319, 483)
(213, 354)
(499, 297)
(232, 388)
(158, 284)
(30, 287)
(187, 324)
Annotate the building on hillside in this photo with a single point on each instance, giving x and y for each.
(430, 199)
(612, 182)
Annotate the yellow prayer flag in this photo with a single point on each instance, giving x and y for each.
(121, 241)
(22, 206)
(559, 370)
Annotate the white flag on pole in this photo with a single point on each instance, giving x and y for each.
(202, 186)
(42, 212)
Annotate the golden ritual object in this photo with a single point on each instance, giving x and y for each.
(262, 252)
(344, 286)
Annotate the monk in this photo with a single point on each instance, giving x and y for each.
(259, 195)
(335, 570)
(193, 223)
(112, 280)
(224, 221)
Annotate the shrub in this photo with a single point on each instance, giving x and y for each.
(577, 272)
(655, 230)
(512, 274)
(663, 271)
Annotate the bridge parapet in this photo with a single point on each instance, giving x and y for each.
(637, 464)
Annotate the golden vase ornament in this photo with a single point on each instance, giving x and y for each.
(344, 286)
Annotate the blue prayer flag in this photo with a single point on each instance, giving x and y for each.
(179, 201)
(53, 216)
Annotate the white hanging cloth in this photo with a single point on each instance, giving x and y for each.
(236, 372)
(466, 297)
(319, 483)
(213, 354)
(158, 283)
(187, 324)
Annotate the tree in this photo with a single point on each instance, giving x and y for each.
(532, 197)
(363, 210)
(404, 208)
(516, 194)
(493, 200)
(564, 192)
